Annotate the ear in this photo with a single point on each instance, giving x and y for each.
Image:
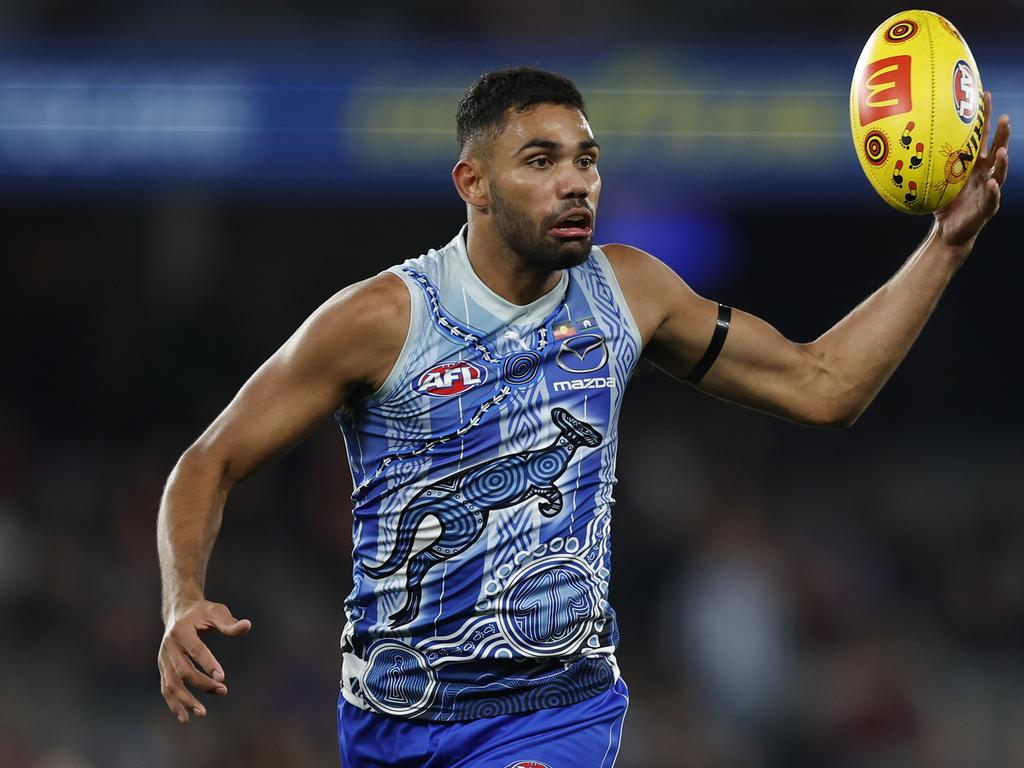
(471, 182)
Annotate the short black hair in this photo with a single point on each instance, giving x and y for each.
(485, 105)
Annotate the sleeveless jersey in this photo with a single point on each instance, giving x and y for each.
(482, 472)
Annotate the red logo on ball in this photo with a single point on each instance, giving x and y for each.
(965, 92)
(883, 89)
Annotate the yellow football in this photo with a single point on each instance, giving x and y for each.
(916, 110)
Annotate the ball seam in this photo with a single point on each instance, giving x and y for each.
(931, 126)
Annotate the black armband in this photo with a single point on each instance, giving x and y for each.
(714, 346)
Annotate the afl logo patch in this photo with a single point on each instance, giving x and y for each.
(450, 379)
(585, 353)
(965, 94)
(527, 764)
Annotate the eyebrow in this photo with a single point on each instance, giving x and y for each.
(549, 144)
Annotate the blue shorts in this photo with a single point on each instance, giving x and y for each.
(581, 735)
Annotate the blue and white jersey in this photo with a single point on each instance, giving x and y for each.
(483, 471)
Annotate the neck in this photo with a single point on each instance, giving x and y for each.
(503, 270)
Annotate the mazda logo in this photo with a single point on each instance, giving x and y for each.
(582, 354)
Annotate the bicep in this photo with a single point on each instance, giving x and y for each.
(272, 411)
(760, 368)
(325, 362)
(757, 366)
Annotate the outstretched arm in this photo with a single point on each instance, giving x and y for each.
(830, 381)
(345, 349)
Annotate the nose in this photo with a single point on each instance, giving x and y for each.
(572, 183)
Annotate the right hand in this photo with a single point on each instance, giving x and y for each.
(184, 660)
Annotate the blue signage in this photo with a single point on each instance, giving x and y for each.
(368, 122)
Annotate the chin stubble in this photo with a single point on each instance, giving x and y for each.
(520, 235)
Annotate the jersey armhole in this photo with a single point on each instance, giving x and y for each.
(620, 298)
(402, 361)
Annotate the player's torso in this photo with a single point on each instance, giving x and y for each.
(483, 472)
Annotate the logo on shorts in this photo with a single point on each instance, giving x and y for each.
(449, 379)
(527, 764)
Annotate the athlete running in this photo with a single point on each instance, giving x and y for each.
(478, 389)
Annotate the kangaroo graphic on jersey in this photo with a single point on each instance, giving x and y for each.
(462, 502)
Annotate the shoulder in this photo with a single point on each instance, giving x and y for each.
(631, 262)
(385, 291)
(651, 288)
(377, 307)
(637, 271)
(356, 335)
(624, 254)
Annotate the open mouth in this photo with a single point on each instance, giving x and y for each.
(576, 223)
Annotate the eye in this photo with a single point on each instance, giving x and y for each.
(587, 161)
(539, 162)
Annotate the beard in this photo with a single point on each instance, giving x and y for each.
(532, 243)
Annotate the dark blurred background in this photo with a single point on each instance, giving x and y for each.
(180, 185)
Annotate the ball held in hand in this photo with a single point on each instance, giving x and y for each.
(917, 112)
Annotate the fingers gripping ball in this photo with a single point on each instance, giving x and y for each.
(916, 110)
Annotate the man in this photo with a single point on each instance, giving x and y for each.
(478, 389)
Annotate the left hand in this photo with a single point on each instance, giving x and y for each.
(963, 218)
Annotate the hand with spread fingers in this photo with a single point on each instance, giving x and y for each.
(960, 222)
(185, 661)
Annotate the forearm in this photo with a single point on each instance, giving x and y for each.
(859, 354)
(187, 526)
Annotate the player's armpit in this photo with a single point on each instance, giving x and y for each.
(344, 350)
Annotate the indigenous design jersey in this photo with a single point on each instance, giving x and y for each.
(483, 473)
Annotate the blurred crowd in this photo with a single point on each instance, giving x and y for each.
(533, 20)
(787, 597)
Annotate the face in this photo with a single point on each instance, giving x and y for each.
(544, 186)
